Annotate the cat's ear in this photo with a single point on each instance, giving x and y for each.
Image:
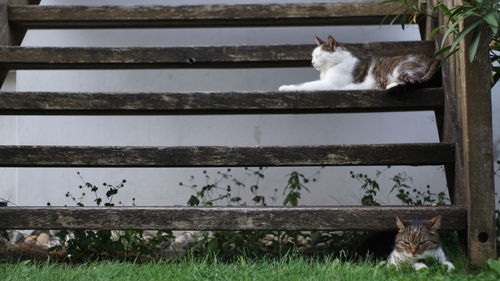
(401, 224)
(332, 43)
(434, 223)
(319, 41)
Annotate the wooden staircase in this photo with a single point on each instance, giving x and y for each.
(473, 207)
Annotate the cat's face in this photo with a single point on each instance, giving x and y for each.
(414, 239)
(327, 53)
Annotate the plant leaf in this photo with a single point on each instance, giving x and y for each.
(441, 51)
(464, 33)
(492, 19)
(436, 30)
(451, 29)
(474, 44)
(450, 53)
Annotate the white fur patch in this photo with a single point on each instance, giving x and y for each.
(393, 84)
(335, 73)
(396, 258)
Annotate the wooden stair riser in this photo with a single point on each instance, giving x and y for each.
(225, 218)
(189, 57)
(221, 156)
(249, 15)
(218, 102)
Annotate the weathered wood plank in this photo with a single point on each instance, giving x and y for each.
(369, 12)
(219, 156)
(476, 120)
(4, 34)
(224, 218)
(217, 102)
(23, 2)
(189, 57)
(467, 123)
(450, 129)
(9, 33)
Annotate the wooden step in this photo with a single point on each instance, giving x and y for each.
(222, 156)
(189, 57)
(225, 218)
(217, 103)
(369, 12)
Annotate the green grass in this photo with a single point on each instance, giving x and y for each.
(244, 269)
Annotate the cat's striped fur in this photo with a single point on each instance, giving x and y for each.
(417, 241)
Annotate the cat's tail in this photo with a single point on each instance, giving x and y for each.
(431, 79)
(431, 71)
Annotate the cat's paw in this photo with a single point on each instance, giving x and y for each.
(449, 265)
(391, 85)
(419, 266)
(287, 88)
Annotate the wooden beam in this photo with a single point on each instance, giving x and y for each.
(220, 156)
(467, 123)
(10, 35)
(5, 34)
(217, 102)
(189, 57)
(476, 120)
(225, 218)
(23, 2)
(203, 15)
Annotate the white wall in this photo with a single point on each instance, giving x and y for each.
(160, 186)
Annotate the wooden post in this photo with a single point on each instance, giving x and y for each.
(3, 241)
(479, 191)
(431, 20)
(467, 123)
(10, 35)
(4, 34)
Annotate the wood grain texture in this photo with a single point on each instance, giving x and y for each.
(189, 57)
(10, 35)
(217, 102)
(369, 12)
(4, 34)
(220, 156)
(476, 119)
(467, 123)
(224, 218)
(23, 2)
(451, 130)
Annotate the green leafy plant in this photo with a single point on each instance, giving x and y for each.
(482, 18)
(292, 191)
(369, 186)
(223, 188)
(409, 195)
(412, 13)
(495, 265)
(402, 185)
(92, 244)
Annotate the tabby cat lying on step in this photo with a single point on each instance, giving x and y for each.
(340, 69)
